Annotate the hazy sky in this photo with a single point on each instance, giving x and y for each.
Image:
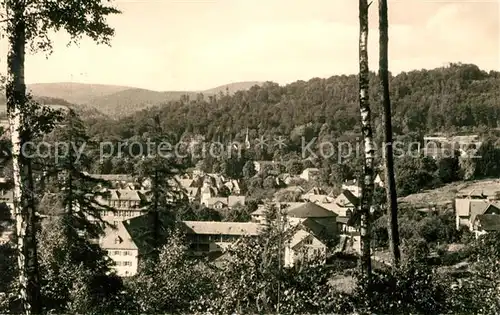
(196, 45)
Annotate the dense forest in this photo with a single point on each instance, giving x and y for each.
(459, 97)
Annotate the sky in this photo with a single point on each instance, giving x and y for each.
(197, 45)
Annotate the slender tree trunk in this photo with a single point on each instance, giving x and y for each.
(369, 149)
(390, 183)
(24, 209)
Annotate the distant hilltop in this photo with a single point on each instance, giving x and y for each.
(118, 101)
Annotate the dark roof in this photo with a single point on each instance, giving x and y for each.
(310, 210)
(343, 220)
(489, 222)
(350, 196)
(140, 230)
(313, 226)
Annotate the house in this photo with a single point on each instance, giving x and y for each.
(309, 174)
(208, 237)
(259, 215)
(126, 242)
(311, 211)
(317, 194)
(346, 202)
(466, 210)
(126, 204)
(439, 146)
(353, 187)
(223, 202)
(317, 198)
(233, 186)
(485, 223)
(121, 248)
(193, 193)
(286, 178)
(207, 192)
(303, 246)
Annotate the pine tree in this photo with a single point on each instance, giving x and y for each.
(164, 195)
(70, 238)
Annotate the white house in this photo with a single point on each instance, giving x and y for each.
(122, 249)
(304, 246)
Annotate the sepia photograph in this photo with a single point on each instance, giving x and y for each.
(249, 157)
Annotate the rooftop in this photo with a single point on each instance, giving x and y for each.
(223, 228)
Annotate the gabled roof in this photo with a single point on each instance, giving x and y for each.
(478, 207)
(489, 222)
(139, 230)
(342, 220)
(119, 233)
(313, 227)
(214, 200)
(347, 198)
(318, 198)
(316, 191)
(298, 237)
(126, 194)
(310, 210)
(223, 228)
(185, 182)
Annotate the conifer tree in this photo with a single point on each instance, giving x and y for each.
(70, 250)
(159, 165)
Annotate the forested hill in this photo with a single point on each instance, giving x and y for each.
(452, 98)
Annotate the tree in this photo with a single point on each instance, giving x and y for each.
(160, 167)
(390, 182)
(28, 22)
(294, 167)
(366, 128)
(176, 282)
(76, 273)
(249, 170)
(78, 192)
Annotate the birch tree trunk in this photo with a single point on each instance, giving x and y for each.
(24, 210)
(369, 149)
(390, 183)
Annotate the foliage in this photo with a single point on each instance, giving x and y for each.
(172, 283)
(411, 289)
(75, 273)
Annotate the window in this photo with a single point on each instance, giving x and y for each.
(118, 239)
(308, 241)
(116, 252)
(127, 263)
(118, 263)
